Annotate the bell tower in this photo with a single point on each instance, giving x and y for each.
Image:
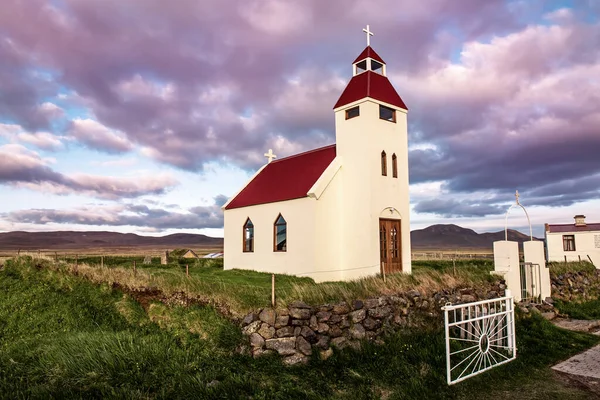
(372, 143)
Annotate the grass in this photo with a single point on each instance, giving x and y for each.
(559, 268)
(65, 337)
(240, 291)
(589, 310)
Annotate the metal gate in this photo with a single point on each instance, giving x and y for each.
(531, 282)
(479, 336)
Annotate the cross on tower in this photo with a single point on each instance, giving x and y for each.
(270, 155)
(369, 34)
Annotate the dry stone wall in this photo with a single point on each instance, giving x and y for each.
(579, 285)
(298, 330)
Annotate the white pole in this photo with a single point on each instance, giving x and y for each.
(510, 326)
(448, 366)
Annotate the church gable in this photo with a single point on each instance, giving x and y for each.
(285, 179)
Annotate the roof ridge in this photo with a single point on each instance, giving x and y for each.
(572, 224)
(303, 153)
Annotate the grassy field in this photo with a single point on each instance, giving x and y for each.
(63, 336)
(242, 291)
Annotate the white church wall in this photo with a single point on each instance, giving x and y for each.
(360, 141)
(328, 234)
(586, 244)
(300, 253)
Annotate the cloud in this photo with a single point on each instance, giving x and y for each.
(122, 215)
(42, 140)
(98, 137)
(25, 168)
(452, 208)
(500, 95)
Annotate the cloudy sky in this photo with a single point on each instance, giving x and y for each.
(146, 115)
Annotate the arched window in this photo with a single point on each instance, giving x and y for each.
(248, 236)
(394, 166)
(383, 164)
(280, 234)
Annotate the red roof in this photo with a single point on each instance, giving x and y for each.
(368, 52)
(285, 179)
(572, 228)
(373, 85)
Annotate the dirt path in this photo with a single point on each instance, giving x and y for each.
(582, 370)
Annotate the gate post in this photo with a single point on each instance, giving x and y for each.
(533, 252)
(506, 264)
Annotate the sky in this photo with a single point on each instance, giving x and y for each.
(145, 116)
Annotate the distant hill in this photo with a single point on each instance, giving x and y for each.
(451, 237)
(440, 237)
(82, 240)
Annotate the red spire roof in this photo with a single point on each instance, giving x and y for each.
(368, 52)
(285, 179)
(373, 85)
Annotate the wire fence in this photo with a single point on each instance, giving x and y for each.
(191, 274)
(439, 255)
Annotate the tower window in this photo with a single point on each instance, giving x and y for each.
(383, 163)
(248, 235)
(280, 234)
(376, 66)
(394, 166)
(352, 112)
(361, 66)
(389, 114)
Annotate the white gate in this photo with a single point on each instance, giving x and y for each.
(531, 282)
(479, 336)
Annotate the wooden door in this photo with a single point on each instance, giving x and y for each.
(390, 246)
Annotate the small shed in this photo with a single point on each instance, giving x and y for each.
(189, 254)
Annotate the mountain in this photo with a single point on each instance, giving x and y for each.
(82, 240)
(454, 237)
(439, 237)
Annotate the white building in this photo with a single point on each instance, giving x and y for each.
(338, 212)
(574, 242)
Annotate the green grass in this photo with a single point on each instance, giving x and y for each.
(62, 336)
(558, 268)
(589, 310)
(240, 291)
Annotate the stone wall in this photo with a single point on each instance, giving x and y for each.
(574, 286)
(298, 330)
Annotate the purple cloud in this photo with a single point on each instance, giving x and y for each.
(24, 168)
(500, 96)
(123, 215)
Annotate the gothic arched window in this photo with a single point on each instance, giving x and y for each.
(394, 166)
(280, 234)
(383, 163)
(248, 236)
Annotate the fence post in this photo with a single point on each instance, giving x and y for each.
(101, 261)
(273, 290)
(76, 260)
(187, 270)
(134, 268)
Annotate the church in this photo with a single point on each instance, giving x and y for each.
(339, 212)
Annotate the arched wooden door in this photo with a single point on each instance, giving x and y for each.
(390, 246)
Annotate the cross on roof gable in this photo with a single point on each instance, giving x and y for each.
(285, 179)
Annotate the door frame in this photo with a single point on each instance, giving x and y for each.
(396, 266)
